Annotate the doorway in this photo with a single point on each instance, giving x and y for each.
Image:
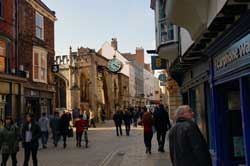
(230, 124)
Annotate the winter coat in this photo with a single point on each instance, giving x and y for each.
(79, 124)
(118, 118)
(127, 118)
(64, 124)
(35, 131)
(147, 122)
(55, 124)
(187, 145)
(161, 120)
(9, 139)
(44, 123)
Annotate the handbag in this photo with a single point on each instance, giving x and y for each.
(70, 132)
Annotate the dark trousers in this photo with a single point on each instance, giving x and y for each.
(161, 135)
(44, 137)
(78, 139)
(92, 122)
(118, 127)
(5, 158)
(56, 137)
(64, 140)
(148, 139)
(127, 126)
(30, 148)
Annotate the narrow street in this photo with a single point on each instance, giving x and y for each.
(105, 149)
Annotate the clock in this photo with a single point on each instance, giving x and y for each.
(114, 65)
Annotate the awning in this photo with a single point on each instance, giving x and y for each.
(189, 14)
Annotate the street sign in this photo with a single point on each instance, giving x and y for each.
(55, 68)
(163, 83)
(158, 63)
(162, 77)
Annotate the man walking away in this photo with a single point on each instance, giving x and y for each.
(92, 118)
(44, 125)
(186, 142)
(127, 121)
(79, 124)
(64, 128)
(118, 122)
(162, 124)
(55, 127)
(31, 133)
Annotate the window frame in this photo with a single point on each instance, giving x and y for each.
(40, 52)
(6, 57)
(41, 29)
(1, 9)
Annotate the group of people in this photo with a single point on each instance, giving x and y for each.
(186, 143)
(32, 130)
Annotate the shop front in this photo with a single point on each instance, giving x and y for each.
(38, 102)
(230, 88)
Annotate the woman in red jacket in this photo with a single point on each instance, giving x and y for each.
(147, 122)
(79, 124)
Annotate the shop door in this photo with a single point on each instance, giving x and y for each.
(231, 139)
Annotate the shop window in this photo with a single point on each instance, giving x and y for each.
(39, 26)
(3, 56)
(1, 8)
(39, 65)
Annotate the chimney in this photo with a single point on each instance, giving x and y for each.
(114, 43)
(139, 53)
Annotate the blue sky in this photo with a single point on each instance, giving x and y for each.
(89, 23)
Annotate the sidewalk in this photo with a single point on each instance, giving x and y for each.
(134, 154)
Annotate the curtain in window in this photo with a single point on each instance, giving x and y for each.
(2, 56)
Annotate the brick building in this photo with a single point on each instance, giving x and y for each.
(36, 55)
(11, 79)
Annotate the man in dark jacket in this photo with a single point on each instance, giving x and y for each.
(162, 124)
(118, 122)
(31, 133)
(186, 142)
(55, 127)
(64, 127)
(127, 121)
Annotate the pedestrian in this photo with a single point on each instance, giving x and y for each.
(1, 123)
(31, 133)
(103, 115)
(127, 121)
(76, 114)
(118, 122)
(64, 128)
(85, 128)
(136, 115)
(162, 125)
(44, 125)
(79, 124)
(92, 118)
(147, 123)
(55, 127)
(9, 141)
(186, 142)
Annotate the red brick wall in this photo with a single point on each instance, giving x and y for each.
(27, 39)
(7, 27)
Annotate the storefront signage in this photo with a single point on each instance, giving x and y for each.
(158, 63)
(114, 65)
(235, 57)
(162, 77)
(55, 68)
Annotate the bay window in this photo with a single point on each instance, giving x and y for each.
(39, 26)
(40, 65)
(3, 56)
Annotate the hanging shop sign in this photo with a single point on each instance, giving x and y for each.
(236, 56)
(114, 65)
(162, 77)
(55, 68)
(158, 63)
(163, 83)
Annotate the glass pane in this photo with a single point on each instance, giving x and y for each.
(2, 64)
(2, 48)
(36, 59)
(39, 20)
(43, 74)
(36, 72)
(43, 60)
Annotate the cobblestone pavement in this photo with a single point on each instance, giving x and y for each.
(105, 149)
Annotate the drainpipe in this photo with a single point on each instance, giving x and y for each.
(17, 33)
